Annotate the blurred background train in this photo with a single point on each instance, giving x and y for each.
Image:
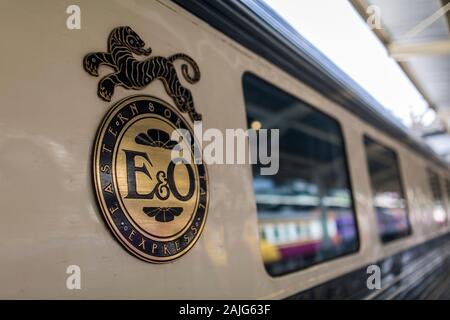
(355, 187)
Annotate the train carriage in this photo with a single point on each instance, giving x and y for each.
(353, 188)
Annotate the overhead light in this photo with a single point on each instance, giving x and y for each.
(256, 125)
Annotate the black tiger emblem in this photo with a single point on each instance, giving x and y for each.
(131, 73)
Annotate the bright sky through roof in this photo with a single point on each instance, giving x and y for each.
(336, 29)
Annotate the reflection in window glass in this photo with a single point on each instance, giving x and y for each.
(305, 211)
(447, 189)
(388, 197)
(439, 214)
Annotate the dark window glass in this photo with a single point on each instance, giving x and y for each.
(388, 197)
(439, 214)
(447, 189)
(305, 211)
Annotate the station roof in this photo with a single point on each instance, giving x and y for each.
(416, 34)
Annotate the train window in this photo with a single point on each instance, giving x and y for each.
(387, 192)
(439, 214)
(305, 211)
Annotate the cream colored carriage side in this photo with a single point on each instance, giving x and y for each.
(51, 116)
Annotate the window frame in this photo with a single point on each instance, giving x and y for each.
(442, 185)
(401, 184)
(431, 170)
(346, 165)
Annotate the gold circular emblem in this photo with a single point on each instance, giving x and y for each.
(154, 202)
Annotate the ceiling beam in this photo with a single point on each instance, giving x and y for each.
(401, 51)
